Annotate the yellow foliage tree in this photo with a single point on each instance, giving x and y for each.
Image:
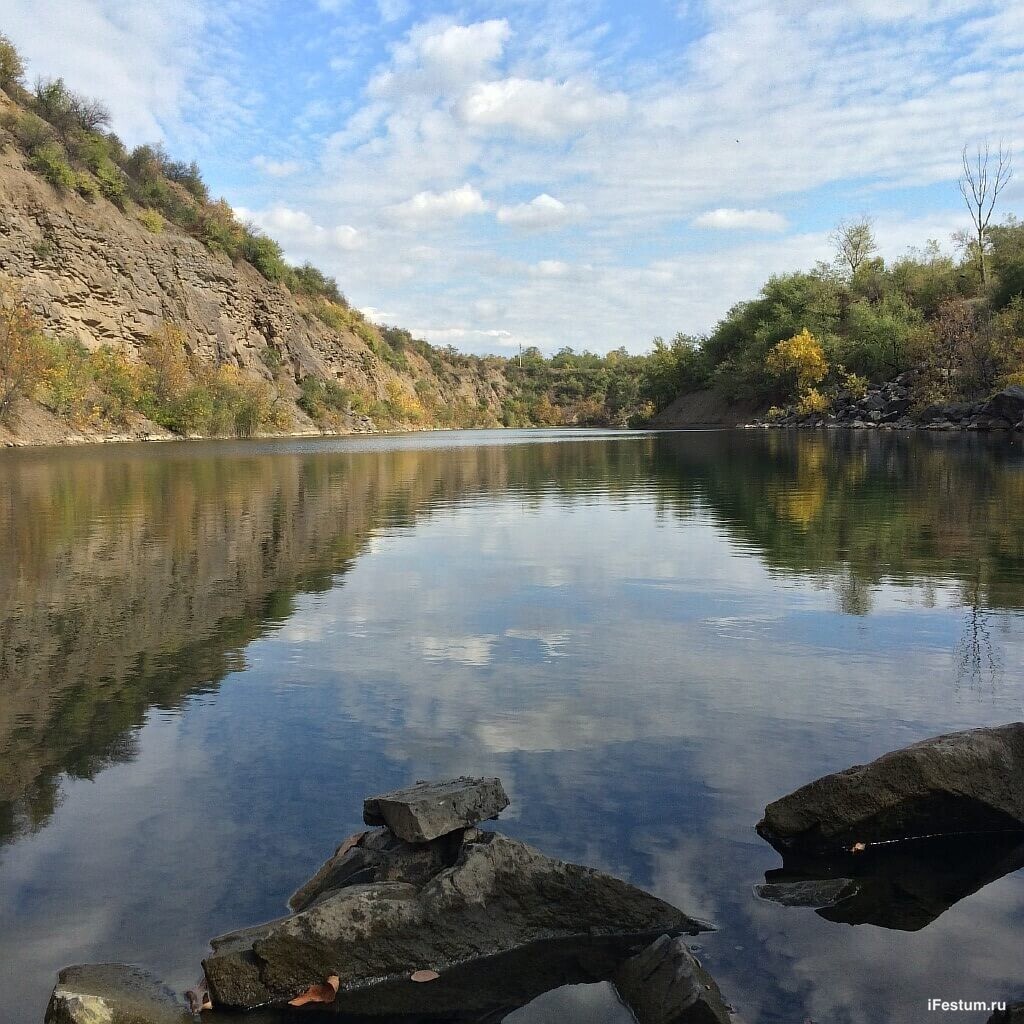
(23, 350)
(800, 356)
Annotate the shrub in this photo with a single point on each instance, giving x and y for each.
(264, 254)
(308, 280)
(151, 221)
(69, 112)
(110, 179)
(856, 385)
(12, 68)
(30, 131)
(812, 401)
(86, 185)
(23, 350)
(67, 379)
(324, 401)
(49, 161)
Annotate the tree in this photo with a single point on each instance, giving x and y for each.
(800, 359)
(980, 185)
(23, 353)
(854, 241)
(12, 68)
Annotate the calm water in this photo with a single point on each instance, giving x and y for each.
(210, 652)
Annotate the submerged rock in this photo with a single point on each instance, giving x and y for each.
(113, 994)
(970, 781)
(429, 810)
(665, 984)
(500, 896)
(903, 886)
(805, 892)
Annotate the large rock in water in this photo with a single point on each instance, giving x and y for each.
(969, 781)
(664, 984)
(499, 897)
(113, 994)
(429, 810)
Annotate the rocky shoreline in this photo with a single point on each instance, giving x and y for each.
(427, 917)
(892, 406)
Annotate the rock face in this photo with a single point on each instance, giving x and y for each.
(969, 781)
(429, 810)
(113, 994)
(97, 274)
(500, 897)
(665, 984)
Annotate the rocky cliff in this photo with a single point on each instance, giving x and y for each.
(97, 272)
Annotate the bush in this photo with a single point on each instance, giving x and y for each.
(23, 350)
(30, 131)
(264, 254)
(324, 401)
(12, 68)
(812, 401)
(49, 161)
(68, 112)
(110, 180)
(67, 379)
(307, 280)
(151, 221)
(86, 185)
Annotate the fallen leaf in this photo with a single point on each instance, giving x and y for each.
(324, 993)
(350, 843)
(858, 847)
(424, 976)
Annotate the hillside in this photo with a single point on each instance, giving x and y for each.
(111, 274)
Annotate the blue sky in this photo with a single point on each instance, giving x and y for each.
(555, 172)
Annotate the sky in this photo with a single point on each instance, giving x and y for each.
(555, 172)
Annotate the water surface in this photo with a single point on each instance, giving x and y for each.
(209, 653)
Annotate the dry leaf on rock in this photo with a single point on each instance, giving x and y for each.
(424, 976)
(324, 993)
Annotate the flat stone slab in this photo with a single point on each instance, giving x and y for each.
(429, 810)
(665, 984)
(113, 994)
(500, 896)
(961, 782)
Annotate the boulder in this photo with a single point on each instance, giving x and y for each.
(428, 810)
(500, 896)
(969, 781)
(665, 984)
(379, 856)
(1007, 404)
(113, 994)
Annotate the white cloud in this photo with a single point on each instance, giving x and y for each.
(727, 219)
(540, 213)
(540, 107)
(299, 233)
(427, 207)
(276, 168)
(550, 268)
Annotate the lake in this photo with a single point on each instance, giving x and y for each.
(210, 652)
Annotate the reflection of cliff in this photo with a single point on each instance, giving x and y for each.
(857, 508)
(128, 581)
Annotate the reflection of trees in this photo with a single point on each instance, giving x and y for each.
(128, 581)
(977, 662)
(859, 509)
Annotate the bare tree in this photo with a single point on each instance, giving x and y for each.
(980, 185)
(854, 241)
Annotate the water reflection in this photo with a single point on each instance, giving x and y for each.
(206, 650)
